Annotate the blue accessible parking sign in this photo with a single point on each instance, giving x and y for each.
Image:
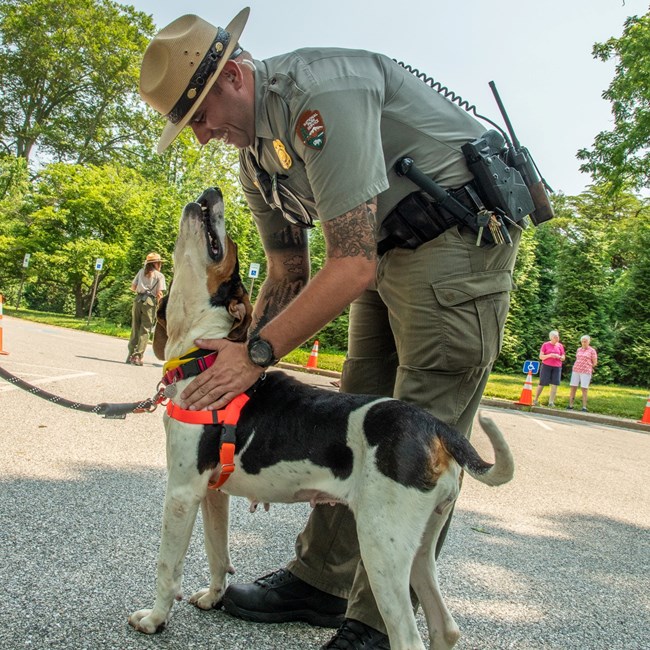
(531, 366)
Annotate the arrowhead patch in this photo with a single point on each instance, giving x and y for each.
(311, 129)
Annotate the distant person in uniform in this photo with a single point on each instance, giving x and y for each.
(319, 131)
(552, 355)
(148, 286)
(582, 371)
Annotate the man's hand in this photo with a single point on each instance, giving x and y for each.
(231, 374)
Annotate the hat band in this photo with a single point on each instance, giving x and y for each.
(200, 77)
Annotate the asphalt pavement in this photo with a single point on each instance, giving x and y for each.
(557, 559)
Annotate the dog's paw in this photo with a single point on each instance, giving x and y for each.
(207, 599)
(144, 621)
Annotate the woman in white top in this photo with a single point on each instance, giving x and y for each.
(148, 285)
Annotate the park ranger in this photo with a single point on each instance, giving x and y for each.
(319, 132)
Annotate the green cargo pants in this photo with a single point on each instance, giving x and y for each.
(143, 318)
(428, 334)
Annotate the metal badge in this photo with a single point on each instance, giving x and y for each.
(283, 156)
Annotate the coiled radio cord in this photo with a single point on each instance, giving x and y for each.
(451, 96)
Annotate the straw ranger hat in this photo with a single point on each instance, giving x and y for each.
(182, 63)
(152, 257)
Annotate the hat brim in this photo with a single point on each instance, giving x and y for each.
(235, 27)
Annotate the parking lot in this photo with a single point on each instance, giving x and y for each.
(557, 559)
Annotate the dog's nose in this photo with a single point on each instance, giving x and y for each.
(210, 196)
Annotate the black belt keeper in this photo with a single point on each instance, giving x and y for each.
(415, 220)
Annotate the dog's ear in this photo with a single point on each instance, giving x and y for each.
(160, 331)
(241, 310)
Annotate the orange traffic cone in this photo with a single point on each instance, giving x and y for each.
(2, 299)
(526, 398)
(646, 414)
(312, 362)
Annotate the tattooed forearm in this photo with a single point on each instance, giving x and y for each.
(287, 238)
(287, 254)
(351, 234)
(273, 298)
(294, 264)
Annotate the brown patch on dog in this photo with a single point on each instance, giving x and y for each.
(160, 331)
(238, 304)
(241, 310)
(440, 458)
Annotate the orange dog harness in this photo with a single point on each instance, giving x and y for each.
(190, 365)
(227, 418)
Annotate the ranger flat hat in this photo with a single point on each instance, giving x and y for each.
(152, 257)
(182, 63)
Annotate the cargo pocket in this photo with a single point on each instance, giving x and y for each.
(472, 312)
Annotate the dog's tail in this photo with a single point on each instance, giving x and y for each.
(497, 473)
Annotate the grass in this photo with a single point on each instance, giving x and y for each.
(619, 401)
(97, 325)
(326, 360)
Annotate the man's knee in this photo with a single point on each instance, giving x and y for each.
(369, 376)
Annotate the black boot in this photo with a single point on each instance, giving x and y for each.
(354, 635)
(280, 597)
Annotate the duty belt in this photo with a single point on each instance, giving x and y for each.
(415, 220)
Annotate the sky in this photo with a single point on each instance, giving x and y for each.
(539, 54)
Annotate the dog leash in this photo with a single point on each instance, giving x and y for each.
(194, 361)
(115, 411)
(190, 364)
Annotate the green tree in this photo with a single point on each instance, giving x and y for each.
(586, 258)
(583, 304)
(533, 303)
(631, 302)
(622, 156)
(69, 73)
(14, 183)
(180, 176)
(633, 335)
(520, 339)
(75, 214)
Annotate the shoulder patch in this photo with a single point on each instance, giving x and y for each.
(311, 129)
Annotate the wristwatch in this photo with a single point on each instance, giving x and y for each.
(260, 352)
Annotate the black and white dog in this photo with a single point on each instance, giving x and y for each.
(396, 466)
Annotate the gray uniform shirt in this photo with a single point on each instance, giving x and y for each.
(333, 122)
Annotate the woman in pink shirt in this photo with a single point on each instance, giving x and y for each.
(552, 355)
(583, 369)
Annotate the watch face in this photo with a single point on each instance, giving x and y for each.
(261, 353)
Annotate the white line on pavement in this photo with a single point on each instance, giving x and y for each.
(542, 424)
(47, 380)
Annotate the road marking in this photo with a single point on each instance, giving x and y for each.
(47, 380)
(542, 424)
(16, 365)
